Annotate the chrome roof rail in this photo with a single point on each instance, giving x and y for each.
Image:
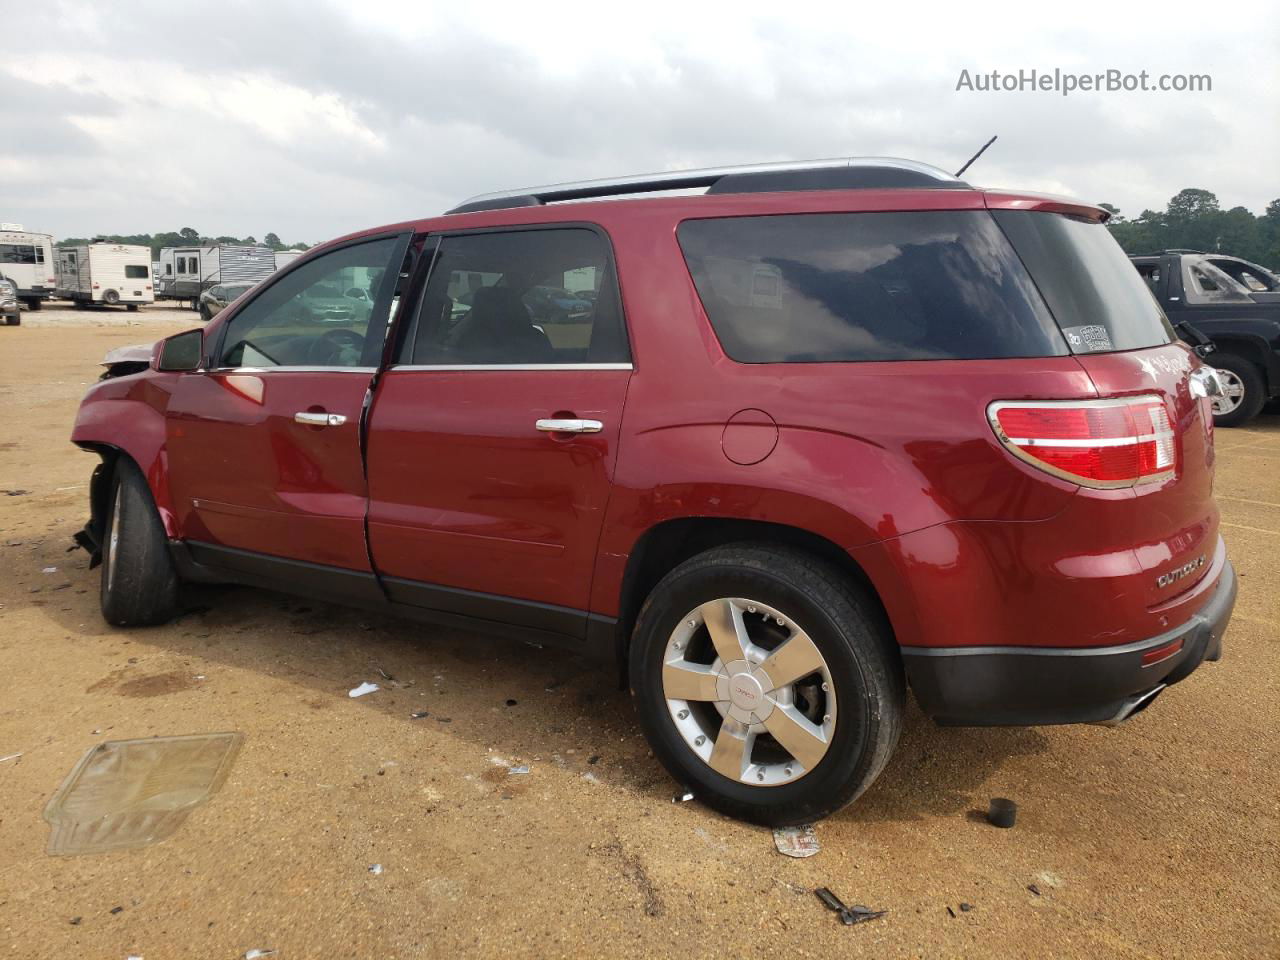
(833, 174)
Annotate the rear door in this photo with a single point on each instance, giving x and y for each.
(264, 446)
(1122, 339)
(492, 442)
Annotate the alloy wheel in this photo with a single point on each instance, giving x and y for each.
(749, 692)
(1232, 393)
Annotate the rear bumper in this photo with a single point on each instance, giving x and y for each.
(1016, 686)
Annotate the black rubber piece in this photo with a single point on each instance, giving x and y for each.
(849, 629)
(1002, 813)
(144, 590)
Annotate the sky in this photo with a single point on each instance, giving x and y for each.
(311, 120)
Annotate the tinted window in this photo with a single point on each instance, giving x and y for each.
(866, 286)
(1203, 283)
(1097, 297)
(20, 253)
(308, 319)
(133, 272)
(525, 297)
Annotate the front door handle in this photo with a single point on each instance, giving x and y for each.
(319, 419)
(569, 426)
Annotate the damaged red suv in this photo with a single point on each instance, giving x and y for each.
(783, 450)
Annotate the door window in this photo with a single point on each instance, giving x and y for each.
(529, 297)
(328, 313)
(1206, 284)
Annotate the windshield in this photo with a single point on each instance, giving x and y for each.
(1100, 301)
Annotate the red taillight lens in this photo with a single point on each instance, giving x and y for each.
(1097, 443)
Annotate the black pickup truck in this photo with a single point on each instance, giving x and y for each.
(1236, 305)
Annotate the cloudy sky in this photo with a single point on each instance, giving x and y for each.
(313, 119)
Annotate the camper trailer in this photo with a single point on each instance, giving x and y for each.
(26, 260)
(186, 272)
(103, 272)
(286, 256)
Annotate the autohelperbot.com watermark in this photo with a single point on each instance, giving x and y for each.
(1066, 82)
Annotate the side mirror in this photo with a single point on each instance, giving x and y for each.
(181, 353)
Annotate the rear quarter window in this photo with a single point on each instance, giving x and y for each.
(808, 288)
(1101, 302)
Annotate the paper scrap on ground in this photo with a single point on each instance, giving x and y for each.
(796, 841)
(364, 688)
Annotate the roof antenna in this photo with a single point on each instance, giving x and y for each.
(976, 156)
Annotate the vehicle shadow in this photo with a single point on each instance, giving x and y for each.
(512, 698)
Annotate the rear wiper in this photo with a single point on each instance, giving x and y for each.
(1204, 346)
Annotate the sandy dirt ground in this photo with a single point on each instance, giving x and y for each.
(1156, 839)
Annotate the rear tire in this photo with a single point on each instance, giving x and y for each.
(1247, 389)
(853, 697)
(111, 298)
(33, 303)
(131, 307)
(139, 583)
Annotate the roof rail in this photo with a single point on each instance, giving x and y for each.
(848, 173)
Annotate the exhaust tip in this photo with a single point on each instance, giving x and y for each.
(1131, 706)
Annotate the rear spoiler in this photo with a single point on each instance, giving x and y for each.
(1046, 203)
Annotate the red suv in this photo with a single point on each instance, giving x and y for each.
(781, 450)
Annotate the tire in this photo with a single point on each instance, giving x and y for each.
(205, 315)
(139, 583)
(855, 700)
(131, 307)
(1244, 378)
(34, 304)
(111, 298)
(13, 319)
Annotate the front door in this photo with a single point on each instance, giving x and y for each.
(264, 445)
(492, 443)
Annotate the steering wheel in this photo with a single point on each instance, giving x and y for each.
(327, 349)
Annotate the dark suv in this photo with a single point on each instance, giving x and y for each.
(825, 432)
(1233, 303)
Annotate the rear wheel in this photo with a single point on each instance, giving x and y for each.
(33, 303)
(139, 583)
(1245, 390)
(111, 298)
(131, 307)
(766, 682)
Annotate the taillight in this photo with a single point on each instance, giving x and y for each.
(1096, 443)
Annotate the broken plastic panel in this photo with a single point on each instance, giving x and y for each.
(130, 793)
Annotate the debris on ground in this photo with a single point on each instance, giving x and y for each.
(49, 570)
(257, 954)
(511, 703)
(75, 921)
(376, 869)
(1034, 889)
(951, 913)
(683, 797)
(523, 768)
(966, 907)
(114, 910)
(16, 493)
(1002, 813)
(364, 688)
(590, 777)
(12, 756)
(593, 760)
(418, 715)
(799, 842)
(848, 915)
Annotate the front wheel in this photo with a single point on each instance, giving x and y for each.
(767, 682)
(1244, 390)
(34, 303)
(139, 583)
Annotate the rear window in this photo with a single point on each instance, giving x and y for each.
(133, 272)
(810, 288)
(1098, 298)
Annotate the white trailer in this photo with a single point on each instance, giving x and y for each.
(26, 260)
(104, 272)
(286, 256)
(186, 272)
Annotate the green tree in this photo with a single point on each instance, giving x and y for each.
(273, 241)
(189, 235)
(1116, 216)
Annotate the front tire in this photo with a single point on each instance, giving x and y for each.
(1246, 390)
(34, 304)
(139, 583)
(767, 682)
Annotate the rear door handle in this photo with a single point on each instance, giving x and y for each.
(319, 419)
(569, 426)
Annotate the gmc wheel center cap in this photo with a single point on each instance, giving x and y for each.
(745, 692)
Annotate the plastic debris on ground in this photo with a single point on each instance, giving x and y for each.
(12, 756)
(257, 954)
(1002, 813)
(364, 688)
(49, 570)
(798, 842)
(848, 915)
(683, 797)
(376, 869)
(130, 793)
(523, 768)
(418, 715)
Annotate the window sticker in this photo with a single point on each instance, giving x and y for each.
(1091, 338)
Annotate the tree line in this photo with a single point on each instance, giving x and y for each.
(186, 237)
(1194, 220)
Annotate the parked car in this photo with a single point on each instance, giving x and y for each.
(9, 308)
(1243, 324)
(836, 430)
(215, 299)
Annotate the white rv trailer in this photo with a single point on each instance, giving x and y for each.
(103, 272)
(286, 256)
(26, 259)
(188, 271)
